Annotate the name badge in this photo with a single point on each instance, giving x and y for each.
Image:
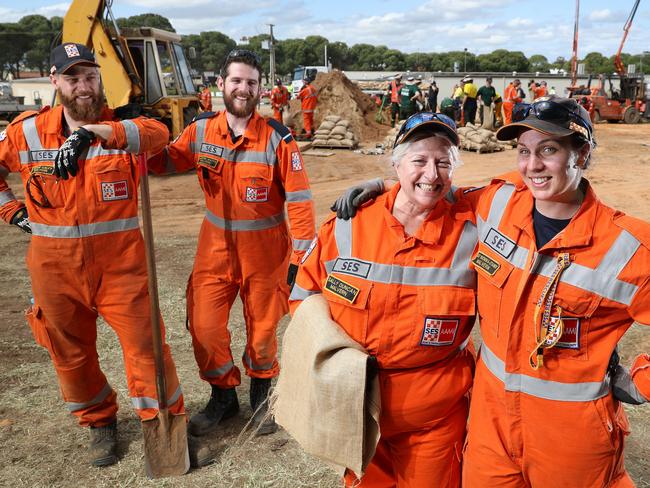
(499, 243)
(352, 267)
(211, 149)
(342, 289)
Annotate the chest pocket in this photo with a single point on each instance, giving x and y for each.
(209, 170)
(442, 312)
(578, 307)
(43, 188)
(348, 298)
(492, 271)
(254, 182)
(114, 181)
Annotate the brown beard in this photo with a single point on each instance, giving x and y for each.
(83, 113)
(229, 102)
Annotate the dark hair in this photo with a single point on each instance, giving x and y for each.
(577, 142)
(241, 56)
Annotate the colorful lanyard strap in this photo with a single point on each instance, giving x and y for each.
(548, 333)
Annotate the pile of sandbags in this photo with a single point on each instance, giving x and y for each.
(335, 131)
(475, 138)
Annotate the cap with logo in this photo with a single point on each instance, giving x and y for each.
(65, 56)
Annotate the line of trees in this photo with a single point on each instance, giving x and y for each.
(25, 45)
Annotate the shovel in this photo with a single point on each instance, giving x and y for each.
(165, 435)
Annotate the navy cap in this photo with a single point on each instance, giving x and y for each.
(64, 56)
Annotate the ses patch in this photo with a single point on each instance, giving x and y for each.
(439, 332)
(211, 149)
(43, 155)
(255, 195)
(342, 289)
(570, 338)
(352, 267)
(115, 190)
(486, 263)
(296, 161)
(499, 243)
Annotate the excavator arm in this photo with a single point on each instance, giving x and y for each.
(618, 63)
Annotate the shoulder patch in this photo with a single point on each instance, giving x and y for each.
(29, 114)
(204, 115)
(280, 129)
(637, 227)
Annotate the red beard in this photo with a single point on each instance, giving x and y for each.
(247, 110)
(83, 112)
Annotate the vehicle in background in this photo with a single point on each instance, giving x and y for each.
(301, 73)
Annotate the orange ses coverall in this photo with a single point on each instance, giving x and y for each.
(244, 245)
(510, 98)
(206, 99)
(86, 258)
(557, 425)
(309, 99)
(279, 98)
(409, 300)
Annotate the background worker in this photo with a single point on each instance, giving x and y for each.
(395, 86)
(279, 99)
(415, 244)
(541, 90)
(86, 256)
(248, 167)
(498, 110)
(409, 94)
(308, 97)
(469, 99)
(457, 97)
(486, 96)
(511, 96)
(561, 278)
(205, 98)
(432, 96)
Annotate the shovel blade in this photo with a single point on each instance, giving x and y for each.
(165, 445)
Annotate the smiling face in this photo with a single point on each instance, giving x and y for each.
(550, 166)
(80, 92)
(424, 171)
(241, 89)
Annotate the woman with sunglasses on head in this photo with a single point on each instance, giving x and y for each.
(398, 280)
(561, 277)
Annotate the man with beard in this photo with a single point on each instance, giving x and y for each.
(248, 167)
(86, 256)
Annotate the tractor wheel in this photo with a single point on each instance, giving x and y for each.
(631, 115)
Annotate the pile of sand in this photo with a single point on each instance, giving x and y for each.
(337, 95)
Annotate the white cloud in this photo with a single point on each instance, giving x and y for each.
(597, 15)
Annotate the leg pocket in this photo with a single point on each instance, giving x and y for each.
(36, 321)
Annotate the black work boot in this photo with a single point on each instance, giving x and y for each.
(263, 423)
(200, 455)
(223, 404)
(103, 445)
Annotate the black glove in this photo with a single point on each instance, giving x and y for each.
(291, 275)
(21, 220)
(624, 388)
(346, 205)
(128, 111)
(66, 161)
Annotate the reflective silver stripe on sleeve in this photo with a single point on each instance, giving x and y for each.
(343, 237)
(140, 403)
(84, 230)
(298, 293)
(243, 225)
(6, 197)
(95, 151)
(272, 147)
(199, 134)
(100, 397)
(132, 136)
(31, 135)
(24, 157)
(550, 390)
(256, 367)
(214, 373)
(298, 196)
(301, 244)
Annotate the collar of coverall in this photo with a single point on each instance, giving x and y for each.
(580, 229)
(252, 128)
(430, 232)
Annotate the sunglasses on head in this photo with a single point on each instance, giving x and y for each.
(551, 111)
(420, 118)
(244, 53)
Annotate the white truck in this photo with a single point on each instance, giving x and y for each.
(303, 72)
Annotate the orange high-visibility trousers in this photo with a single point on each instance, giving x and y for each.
(495, 456)
(277, 115)
(253, 264)
(70, 291)
(308, 121)
(507, 112)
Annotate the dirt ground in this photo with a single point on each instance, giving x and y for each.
(40, 445)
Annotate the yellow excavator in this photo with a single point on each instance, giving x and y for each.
(142, 65)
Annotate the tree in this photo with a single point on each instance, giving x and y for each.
(146, 20)
(41, 34)
(15, 42)
(503, 60)
(211, 49)
(538, 62)
(595, 63)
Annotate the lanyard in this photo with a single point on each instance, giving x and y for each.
(548, 333)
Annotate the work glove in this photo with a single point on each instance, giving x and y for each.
(128, 111)
(66, 161)
(21, 220)
(347, 204)
(291, 275)
(624, 388)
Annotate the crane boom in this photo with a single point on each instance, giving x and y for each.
(620, 69)
(574, 58)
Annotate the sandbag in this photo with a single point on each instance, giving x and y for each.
(338, 130)
(332, 118)
(327, 125)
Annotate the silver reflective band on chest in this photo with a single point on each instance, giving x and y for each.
(7, 196)
(148, 402)
(242, 225)
(100, 397)
(84, 230)
(547, 389)
(601, 280)
(459, 274)
(35, 153)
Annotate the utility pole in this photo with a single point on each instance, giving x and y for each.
(272, 56)
(465, 60)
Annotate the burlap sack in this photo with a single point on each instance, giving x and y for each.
(327, 125)
(319, 142)
(343, 123)
(332, 118)
(333, 142)
(319, 398)
(338, 130)
(322, 132)
(348, 143)
(488, 118)
(338, 137)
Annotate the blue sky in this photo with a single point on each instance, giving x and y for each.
(534, 27)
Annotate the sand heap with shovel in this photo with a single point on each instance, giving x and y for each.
(337, 95)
